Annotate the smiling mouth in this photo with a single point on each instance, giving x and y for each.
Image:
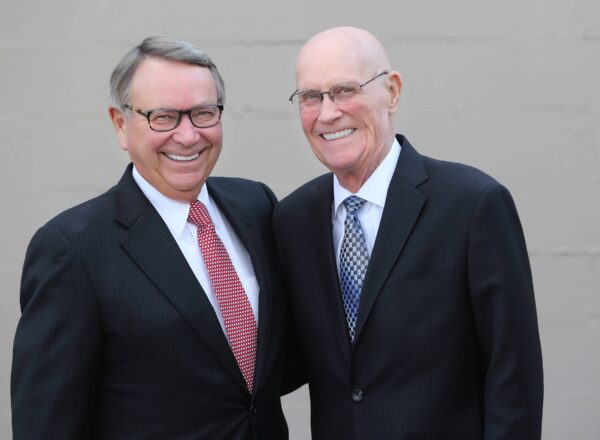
(178, 158)
(338, 134)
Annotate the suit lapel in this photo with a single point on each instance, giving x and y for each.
(150, 244)
(326, 261)
(241, 222)
(402, 207)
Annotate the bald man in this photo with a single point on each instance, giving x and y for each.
(409, 280)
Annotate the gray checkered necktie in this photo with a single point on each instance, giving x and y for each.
(354, 259)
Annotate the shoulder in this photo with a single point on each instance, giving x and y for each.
(246, 192)
(309, 192)
(459, 191)
(70, 235)
(434, 176)
(453, 179)
(461, 173)
(235, 183)
(86, 218)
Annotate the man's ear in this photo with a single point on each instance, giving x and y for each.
(394, 87)
(118, 119)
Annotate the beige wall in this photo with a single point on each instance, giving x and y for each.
(512, 87)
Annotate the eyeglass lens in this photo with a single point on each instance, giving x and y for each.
(163, 120)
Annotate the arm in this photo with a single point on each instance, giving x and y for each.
(503, 303)
(294, 374)
(57, 344)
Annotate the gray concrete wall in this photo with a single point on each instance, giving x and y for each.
(512, 87)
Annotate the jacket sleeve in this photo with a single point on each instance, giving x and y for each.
(57, 343)
(295, 373)
(501, 290)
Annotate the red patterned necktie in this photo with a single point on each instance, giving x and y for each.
(233, 301)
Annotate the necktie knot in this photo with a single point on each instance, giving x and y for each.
(353, 203)
(199, 215)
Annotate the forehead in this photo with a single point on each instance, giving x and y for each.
(322, 65)
(159, 83)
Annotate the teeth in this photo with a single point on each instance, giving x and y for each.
(182, 158)
(338, 134)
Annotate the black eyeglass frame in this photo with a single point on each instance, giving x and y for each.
(328, 92)
(188, 112)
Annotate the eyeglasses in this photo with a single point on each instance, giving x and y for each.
(203, 116)
(309, 100)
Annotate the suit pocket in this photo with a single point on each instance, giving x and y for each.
(421, 284)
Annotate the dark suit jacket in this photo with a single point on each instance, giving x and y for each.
(447, 343)
(117, 339)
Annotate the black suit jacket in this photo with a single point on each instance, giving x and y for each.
(117, 339)
(447, 343)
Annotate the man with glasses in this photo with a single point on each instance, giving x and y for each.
(152, 311)
(409, 281)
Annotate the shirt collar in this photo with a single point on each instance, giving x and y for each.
(173, 212)
(374, 190)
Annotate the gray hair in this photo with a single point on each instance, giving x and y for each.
(167, 48)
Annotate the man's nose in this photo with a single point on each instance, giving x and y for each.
(186, 133)
(328, 111)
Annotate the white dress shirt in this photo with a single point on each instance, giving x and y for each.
(175, 213)
(374, 191)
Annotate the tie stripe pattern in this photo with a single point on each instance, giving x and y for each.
(236, 310)
(354, 259)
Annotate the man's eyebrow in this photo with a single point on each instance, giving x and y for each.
(162, 108)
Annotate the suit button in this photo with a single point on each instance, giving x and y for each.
(252, 409)
(357, 395)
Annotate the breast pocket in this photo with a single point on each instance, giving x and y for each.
(421, 284)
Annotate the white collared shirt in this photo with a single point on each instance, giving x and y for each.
(374, 191)
(174, 213)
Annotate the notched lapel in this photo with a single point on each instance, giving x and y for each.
(403, 205)
(322, 228)
(151, 246)
(243, 225)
